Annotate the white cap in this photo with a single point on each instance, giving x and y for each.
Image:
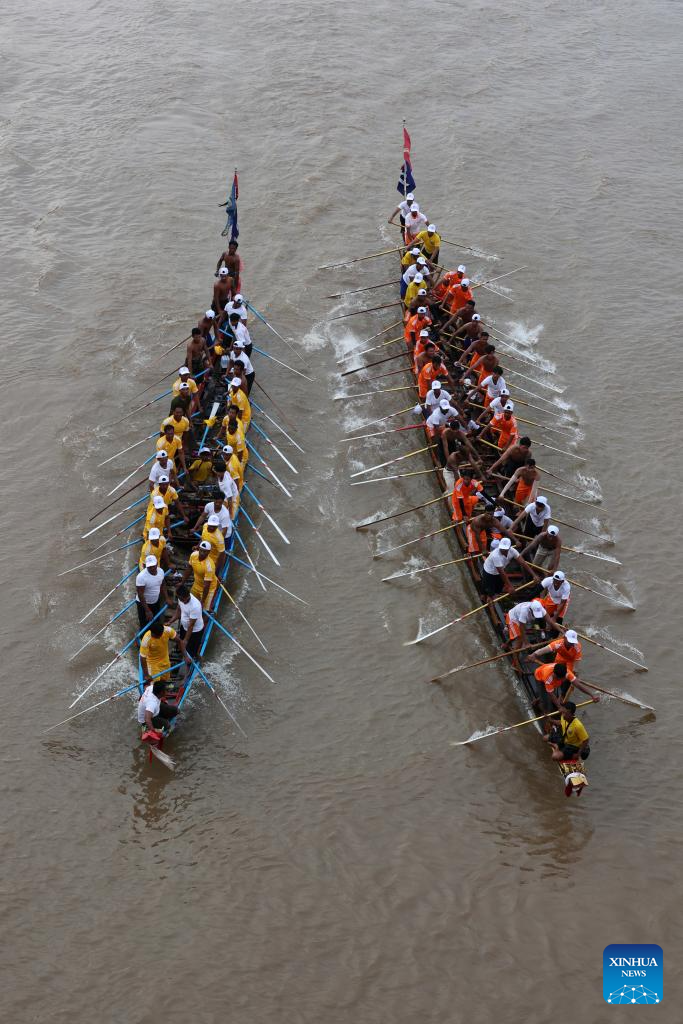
(467, 382)
(236, 382)
(509, 407)
(421, 260)
(422, 309)
(209, 314)
(184, 386)
(150, 562)
(224, 272)
(415, 208)
(498, 513)
(154, 533)
(505, 544)
(504, 391)
(415, 252)
(421, 291)
(410, 197)
(538, 609)
(418, 279)
(494, 543)
(239, 343)
(162, 454)
(571, 636)
(204, 449)
(559, 575)
(227, 448)
(475, 316)
(163, 479)
(424, 334)
(462, 268)
(540, 500)
(436, 385)
(444, 404)
(465, 282)
(213, 521)
(158, 501)
(238, 298)
(431, 227)
(183, 370)
(204, 545)
(553, 530)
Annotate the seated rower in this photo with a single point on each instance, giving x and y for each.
(545, 549)
(525, 482)
(466, 493)
(234, 467)
(408, 275)
(239, 332)
(474, 340)
(429, 372)
(233, 432)
(150, 590)
(201, 469)
(569, 739)
(430, 242)
(154, 655)
(439, 417)
(412, 289)
(557, 595)
(154, 545)
(435, 394)
(203, 570)
(430, 350)
(513, 458)
(157, 517)
(557, 680)
(240, 356)
(416, 323)
(170, 496)
(494, 578)
(457, 296)
(237, 395)
(518, 618)
(494, 385)
(239, 306)
(487, 525)
(502, 427)
(153, 713)
(184, 382)
(170, 443)
(191, 615)
(566, 648)
(457, 450)
(535, 515)
(213, 533)
(216, 507)
(181, 426)
(446, 281)
(162, 466)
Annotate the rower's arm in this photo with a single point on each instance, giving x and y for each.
(528, 551)
(221, 258)
(145, 669)
(584, 689)
(513, 480)
(516, 524)
(536, 655)
(200, 521)
(391, 218)
(523, 562)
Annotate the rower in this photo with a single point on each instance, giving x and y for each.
(415, 221)
(518, 618)
(494, 578)
(239, 306)
(409, 274)
(415, 324)
(466, 493)
(456, 297)
(222, 290)
(214, 535)
(412, 289)
(162, 466)
(446, 281)
(216, 507)
(227, 486)
(153, 713)
(233, 431)
(438, 418)
(424, 354)
(189, 611)
(557, 596)
(154, 656)
(497, 405)
(536, 516)
(157, 517)
(232, 263)
(525, 482)
(486, 524)
(513, 458)
(150, 591)
(409, 259)
(557, 680)
(429, 372)
(234, 467)
(545, 549)
(183, 401)
(423, 340)
(206, 325)
(565, 649)
(240, 333)
(170, 496)
(240, 356)
(430, 241)
(154, 545)
(201, 566)
(494, 385)
(184, 377)
(181, 425)
(434, 396)
(505, 426)
(469, 331)
(483, 363)
(403, 209)
(197, 352)
(457, 449)
(202, 467)
(570, 739)
(172, 445)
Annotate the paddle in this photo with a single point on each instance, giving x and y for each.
(270, 399)
(403, 512)
(376, 362)
(275, 448)
(508, 728)
(241, 613)
(487, 661)
(239, 646)
(109, 593)
(216, 694)
(373, 348)
(468, 248)
(286, 365)
(368, 394)
(407, 543)
(259, 536)
(269, 469)
(429, 568)
(276, 424)
(368, 288)
(394, 476)
(461, 618)
(359, 259)
(590, 640)
(265, 512)
(370, 309)
(270, 327)
(382, 433)
(633, 701)
(251, 568)
(98, 558)
(128, 449)
(390, 462)
(105, 626)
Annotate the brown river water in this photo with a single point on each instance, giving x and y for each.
(343, 864)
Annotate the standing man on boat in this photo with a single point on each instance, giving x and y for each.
(203, 570)
(150, 591)
(519, 617)
(403, 209)
(536, 516)
(546, 548)
(189, 612)
(222, 290)
(216, 507)
(154, 655)
(414, 223)
(430, 242)
(197, 354)
(232, 263)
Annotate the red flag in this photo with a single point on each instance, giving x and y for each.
(406, 144)
(235, 185)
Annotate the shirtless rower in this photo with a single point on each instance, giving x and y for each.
(484, 527)
(197, 353)
(525, 482)
(513, 458)
(223, 290)
(206, 325)
(457, 449)
(545, 549)
(232, 263)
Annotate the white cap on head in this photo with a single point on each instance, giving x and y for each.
(559, 576)
(504, 391)
(209, 314)
(204, 449)
(444, 404)
(476, 317)
(498, 513)
(227, 448)
(505, 544)
(236, 382)
(163, 479)
(538, 609)
(239, 343)
(462, 268)
(224, 272)
(571, 636)
(431, 227)
(154, 534)
(422, 291)
(509, 407)
(424, 334)
(494, 543)
(415, 252)
(162, 454)
(540, 500)
(184, 386)
(183, 370)
(421, 260)
(467, 382)
(410, 198)
(414, 208)
(238, 297)
(553, 530)
(422, 309)
(465, 282)
(213, 521)
(418, 279)
(158, 501)
(436, 385)
(150, 562)
(204, 545)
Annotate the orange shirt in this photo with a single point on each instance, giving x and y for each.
(449, 279)
(427, 374)
(544, 674)
(415, 324)
(464, 497)
(457, 297)
(523, 492)
(568, 654)
(506, 429)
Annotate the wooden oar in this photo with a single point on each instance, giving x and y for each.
(99, 704)
(359, 259)
(487, 661)
(357, 312)
(123, 494)
(128, 449)
(276, 424)
(241, 614)
(468, 248)
(177, 345)
(561, 451)
(373, 348)
(376, 362)
(382, 433)
(492, 280)
(393, 476)
(429, 568)
(473, 611)
(582, 586)
(590, 640)
(258, 572)
(382, 376)
(384, 330)
(390, 462)
(368, 288)
(389, 416)
(634, 702)
(415, 540)
(507, 728)
(379, 391)
(580, 501)
(403, 512)
(570, 526)
(153, 385)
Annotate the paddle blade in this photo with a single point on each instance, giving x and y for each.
(167, 761)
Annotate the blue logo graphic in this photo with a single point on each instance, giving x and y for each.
(633, 973)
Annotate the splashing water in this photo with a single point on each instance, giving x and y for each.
(610, 591)
(591, 486)
(604, 636)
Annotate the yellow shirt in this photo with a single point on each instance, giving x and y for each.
(155, 517)
(237, 440)
(236, 471)
(239, 399)
(573, 732)
(169, 497)
(155, 548)
(154, 649)
(180, 426)
(411, 292)
(201, 470)
(170, 447)
(191, 384)
(429, 245)
(216, 540)
(204, 571)
(408, 259)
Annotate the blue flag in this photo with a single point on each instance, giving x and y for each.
(406, 181)
(231, 227)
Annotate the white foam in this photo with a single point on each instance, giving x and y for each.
(602, 634)
(591, 486)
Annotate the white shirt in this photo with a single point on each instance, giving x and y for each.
(224, 520)
(498, 405)
(152, 584)
(242, 357)
(415, 222)
(440, 417)
(494, 389)
(148, 702)
(504, 521)
(522, 613)
(432, 400)
(404, 207)
(228, 486)
(411, 272)
(241, 310)
(557, 594)
(191, 609)
(241, 333)
(158, 471)
(536, 518)
(498, 560)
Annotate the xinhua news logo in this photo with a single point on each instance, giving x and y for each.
(633, 974)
